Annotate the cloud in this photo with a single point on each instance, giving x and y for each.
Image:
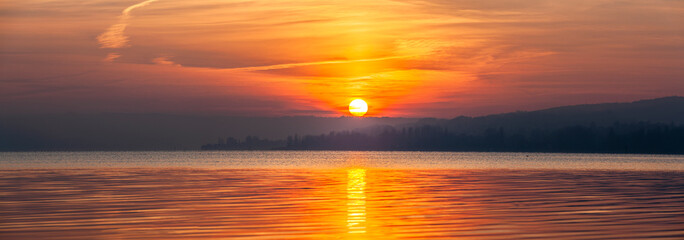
(416, 57)
(114, 37)
(111, 57)
(165, 61)
(304, 64)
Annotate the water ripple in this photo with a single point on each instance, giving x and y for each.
(352, 203)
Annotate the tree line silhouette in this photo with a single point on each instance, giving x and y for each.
(641, 137)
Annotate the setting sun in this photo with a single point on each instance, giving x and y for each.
(358, 107)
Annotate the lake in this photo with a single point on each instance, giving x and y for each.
(340, 195)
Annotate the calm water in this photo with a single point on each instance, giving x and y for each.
(340, 195)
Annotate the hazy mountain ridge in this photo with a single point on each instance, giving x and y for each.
(650, 126)
(184, 132)
(661, 110)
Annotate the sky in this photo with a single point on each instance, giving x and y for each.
(409, 58)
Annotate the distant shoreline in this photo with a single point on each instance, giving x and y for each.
(654, 126)
(329, 150)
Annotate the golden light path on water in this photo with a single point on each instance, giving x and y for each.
(356, 201)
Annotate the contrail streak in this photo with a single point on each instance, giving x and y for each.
(114, 36)
(293, 65)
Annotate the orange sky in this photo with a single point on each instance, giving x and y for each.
(432, 58)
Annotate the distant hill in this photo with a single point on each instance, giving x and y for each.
(648, 126)
(661, 110)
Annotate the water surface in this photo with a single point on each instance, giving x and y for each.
(340, 195)
(339, 159)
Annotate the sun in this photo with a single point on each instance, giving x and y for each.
(358, 107)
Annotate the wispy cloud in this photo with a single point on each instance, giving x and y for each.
(111, 57)
(165, 61)
(114, 37)
(304, 64)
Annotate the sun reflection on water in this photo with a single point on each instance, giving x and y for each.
(356, 201)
